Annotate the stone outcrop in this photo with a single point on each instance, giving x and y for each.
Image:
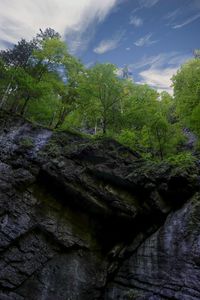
(90, 219)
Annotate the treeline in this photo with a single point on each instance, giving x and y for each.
(41, 80)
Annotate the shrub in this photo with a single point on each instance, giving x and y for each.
(184, 159)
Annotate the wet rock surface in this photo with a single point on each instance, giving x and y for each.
(89, 219)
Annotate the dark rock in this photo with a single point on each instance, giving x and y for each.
(85, 219)
(167, 263)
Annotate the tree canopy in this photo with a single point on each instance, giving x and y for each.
(41, 80)
(187, 94)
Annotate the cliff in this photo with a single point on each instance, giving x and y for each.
(86, 219)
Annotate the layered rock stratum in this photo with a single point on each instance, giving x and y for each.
(90, 219)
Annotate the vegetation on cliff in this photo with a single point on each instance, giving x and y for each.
(42, 81)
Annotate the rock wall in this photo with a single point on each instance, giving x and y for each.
(84, 219)
(166, 265)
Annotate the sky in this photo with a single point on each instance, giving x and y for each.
(151, 37)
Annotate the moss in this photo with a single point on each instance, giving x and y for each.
(73, 132)
(26, 142)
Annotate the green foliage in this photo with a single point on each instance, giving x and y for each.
(184, 159)
(51, 52)
(43, 110)
(20, 54)
(127, 138)
(187, 94)
(73, 120)
(41, 80)
(100, 93)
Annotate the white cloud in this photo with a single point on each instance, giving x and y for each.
(157, 70)
(128, 49)
(119, 72)
(23, 18)
(145, 41)
(89, 64)
(158, 78)
(188, 21)
(109, 44)
(136, 21)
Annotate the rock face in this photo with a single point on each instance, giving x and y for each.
(84, 219)
(166, 265)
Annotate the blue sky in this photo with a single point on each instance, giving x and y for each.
(152, 37)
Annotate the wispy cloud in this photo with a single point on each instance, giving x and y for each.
(158, 78)
(181, 17)
(172, 14)
(109, 44)
(136, 21)
(172, 59)
(157, 70)
(24, 18)
(78, 41)
(145, 4)
(148, 3)
(145, 41)
(188, 21)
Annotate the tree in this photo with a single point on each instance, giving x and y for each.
(100, 92)
(20, 54)
(72, 69)
(17, 57)
(4, 79)
(140, 104)
(187, 93)
(48, 33)
(28, 65)
(46, 60)
(197, 53)
(167, 107)
(148, 124)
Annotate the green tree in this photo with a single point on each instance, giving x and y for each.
(72, 69)
(20, 54)
(44, 71)
(19, 57)
(187, 93)
(167, 107)
(100, 93)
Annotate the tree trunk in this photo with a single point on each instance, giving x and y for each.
(160, 146)
(95, 128)
(25, 105)
(14, 107)
(3, 100)
(62, 116)
(104, 126)
(52, 119)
